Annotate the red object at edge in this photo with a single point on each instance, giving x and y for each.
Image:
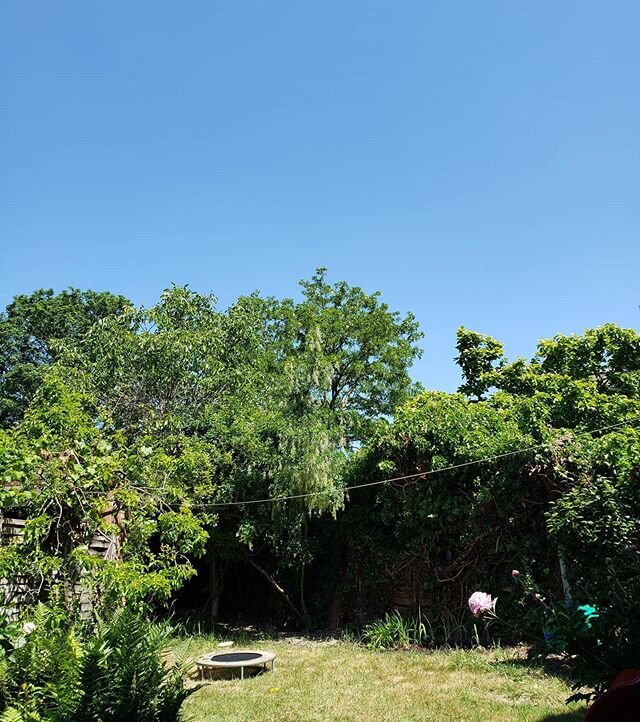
(621, 702)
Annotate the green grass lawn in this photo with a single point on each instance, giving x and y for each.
(343, 682)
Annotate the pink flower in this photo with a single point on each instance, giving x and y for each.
(480, 602)
(515, 573)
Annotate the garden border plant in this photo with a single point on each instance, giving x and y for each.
(55, 669)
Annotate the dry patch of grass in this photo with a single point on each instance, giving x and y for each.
(343, 682)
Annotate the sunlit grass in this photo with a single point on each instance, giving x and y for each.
(343, 682)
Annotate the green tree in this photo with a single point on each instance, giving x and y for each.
(198, 407)
(478, 357)
(276, 393)
(339, 362)
(353, 353)
(31, 330)
(428, 539)
(71, 474)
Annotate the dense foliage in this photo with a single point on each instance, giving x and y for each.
(556, 497)
(155, 417)
(158, 428)
(52, 670)
(33, 329)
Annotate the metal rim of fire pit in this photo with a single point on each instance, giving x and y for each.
(235, 660)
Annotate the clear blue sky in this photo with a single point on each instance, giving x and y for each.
(476, 161)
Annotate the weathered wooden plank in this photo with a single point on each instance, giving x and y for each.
(19, 591)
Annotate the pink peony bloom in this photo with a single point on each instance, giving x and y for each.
(480, 602)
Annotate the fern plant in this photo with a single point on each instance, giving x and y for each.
(39, 675)
(11, 714)
(118, 672)
(127, 674)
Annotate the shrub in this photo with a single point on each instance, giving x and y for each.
(594, 632)
(597, 640)
(117, 672)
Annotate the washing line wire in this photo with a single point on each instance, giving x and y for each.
(420, 474)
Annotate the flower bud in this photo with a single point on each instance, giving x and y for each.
(515, 573)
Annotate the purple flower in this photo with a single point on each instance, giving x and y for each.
(480, 602)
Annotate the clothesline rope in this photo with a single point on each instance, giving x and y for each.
(421, 474)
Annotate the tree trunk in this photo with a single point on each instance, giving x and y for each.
(303, 602)
(278, 589)
(563, 576)
(216, 574)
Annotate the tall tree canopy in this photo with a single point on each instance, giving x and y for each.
(31, 330)
(265, 399)
(356, 352)
(162, 426)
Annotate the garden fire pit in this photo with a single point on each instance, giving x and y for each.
(234, 660)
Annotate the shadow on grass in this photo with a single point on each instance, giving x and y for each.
(552, 667)
(575, 716)
(227, 675)
(555, 668)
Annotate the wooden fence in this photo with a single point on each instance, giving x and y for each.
(20, 590)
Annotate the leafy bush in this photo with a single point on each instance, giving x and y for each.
(393, 632)
(596, 526)
(115, 673)
(597, 639)
(40, 673)
(593, 629)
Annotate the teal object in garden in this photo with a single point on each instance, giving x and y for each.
(590, 613)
